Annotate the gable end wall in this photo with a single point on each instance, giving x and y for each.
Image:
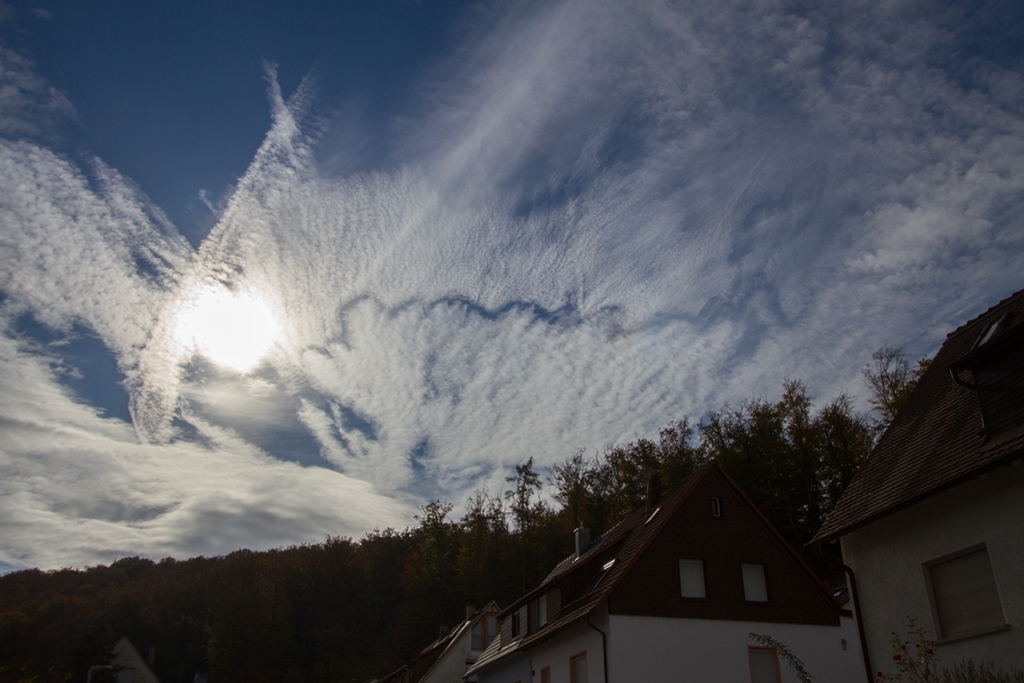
(651, 588)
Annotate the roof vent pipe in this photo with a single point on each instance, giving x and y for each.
(582, 540)
(470, 609)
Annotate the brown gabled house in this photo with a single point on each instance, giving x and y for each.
(932, 526)
(673, 593)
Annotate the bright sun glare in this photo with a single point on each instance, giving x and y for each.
(232, 329)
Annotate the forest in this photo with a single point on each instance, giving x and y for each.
(349, 609)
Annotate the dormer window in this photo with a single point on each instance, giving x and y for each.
(516, 626)
(716, 507)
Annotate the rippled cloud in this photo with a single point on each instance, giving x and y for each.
(592, 218)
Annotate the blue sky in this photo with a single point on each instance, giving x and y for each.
(270, 273)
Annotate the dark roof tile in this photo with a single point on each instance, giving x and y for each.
(935, 442)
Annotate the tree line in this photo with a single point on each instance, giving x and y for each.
(353, 609)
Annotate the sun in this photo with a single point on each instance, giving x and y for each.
(233, 329)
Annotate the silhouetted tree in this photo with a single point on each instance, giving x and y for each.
(891, 378)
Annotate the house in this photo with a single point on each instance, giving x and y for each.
(932, 526)
(129, 664)
(673, 592)
(447, 658)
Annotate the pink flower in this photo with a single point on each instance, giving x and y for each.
(897, 656)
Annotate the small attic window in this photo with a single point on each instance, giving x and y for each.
(716, 507)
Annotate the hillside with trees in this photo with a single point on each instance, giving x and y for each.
(349, 609)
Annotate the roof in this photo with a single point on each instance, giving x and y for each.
(453, 639)
(626, 543)
(936, 441)
(127, 657)
(629, 538)
(429, 656)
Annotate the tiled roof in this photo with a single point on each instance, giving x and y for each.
(634, 533)
(429, 656)
(453, 640)
(936, 440)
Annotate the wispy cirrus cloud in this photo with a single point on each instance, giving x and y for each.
(591, 218)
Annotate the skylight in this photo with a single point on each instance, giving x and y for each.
(990, 331)
(652, 515)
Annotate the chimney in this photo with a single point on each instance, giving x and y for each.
(152, 655)
(582, 540)
(442, 632)
(653, 489)
(470, 608)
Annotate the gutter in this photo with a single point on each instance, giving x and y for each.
(860, 623)
(604, 648)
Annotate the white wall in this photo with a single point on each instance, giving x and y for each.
(514, 668)
(136, 670)
(887, 558)
(557, 651)
(709, 650)
(451, 666)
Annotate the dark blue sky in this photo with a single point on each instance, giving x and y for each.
(174, 94)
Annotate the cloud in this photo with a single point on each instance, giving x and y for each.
(29, 107)
(593, 217)
(80, 489)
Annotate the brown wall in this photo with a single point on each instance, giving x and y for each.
(651, 588)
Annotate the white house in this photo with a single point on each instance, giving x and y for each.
(129, 664)
(447, 658)
(673, 593)
(932, 525)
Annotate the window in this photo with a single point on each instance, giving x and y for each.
(691, 579)
(963, 592)
(764, 665)
(516, 626)
(542, 610)
(484, 631)
(754, 587)
(716, 507)
(545, 675)
(578, 668)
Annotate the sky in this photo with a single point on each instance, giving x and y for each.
(270, 273)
